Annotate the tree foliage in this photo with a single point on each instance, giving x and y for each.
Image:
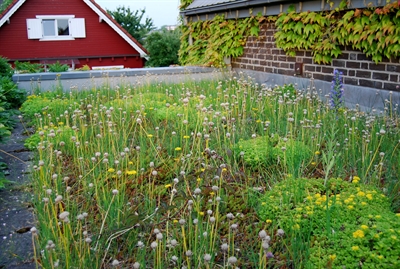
(163, 47)
(4, 5)
(131, 21)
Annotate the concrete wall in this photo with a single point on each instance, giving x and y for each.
(367, 99)
(112, 78)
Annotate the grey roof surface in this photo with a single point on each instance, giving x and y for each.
(204, 3)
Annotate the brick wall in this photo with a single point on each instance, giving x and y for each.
(261, 54)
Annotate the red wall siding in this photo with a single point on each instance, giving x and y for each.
(101, 40)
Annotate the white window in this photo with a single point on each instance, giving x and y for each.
(56, 28)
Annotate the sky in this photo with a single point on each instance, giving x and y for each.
(163, 12)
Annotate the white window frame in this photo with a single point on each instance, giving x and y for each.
(76, 28)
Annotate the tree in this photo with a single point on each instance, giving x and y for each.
(132, 21)
(4, 5)
(163, 47)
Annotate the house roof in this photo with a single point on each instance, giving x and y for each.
(204, 3)
(104, 16)
(212, 6)
(233, 9)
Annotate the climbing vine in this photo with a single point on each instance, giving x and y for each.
(208, 42)
(374, 31)
(185, 4)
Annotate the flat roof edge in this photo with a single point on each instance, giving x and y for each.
(112, 73)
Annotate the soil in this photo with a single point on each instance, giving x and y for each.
(16, 213)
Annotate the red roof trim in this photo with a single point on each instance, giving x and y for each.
(118, 25)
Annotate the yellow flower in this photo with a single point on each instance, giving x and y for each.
(178, 149)
(201, 213)
(111, 170)
(186, 137)
(332, 257)
(361, 193)
(61, 123)
(268, 221)
(263, 203)
(130, 163)
(149, 135)
(168, 186)
(296, 227)
(175, 221)
(369, 196)
(198, 179)
(313, 163)
(350, 207)
(358, 234)
(317, 153)
(355, 248)
(131, 172)
(356, 179)
(378, 216)
(364, 227)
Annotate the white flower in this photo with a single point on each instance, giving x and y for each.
(232, 260)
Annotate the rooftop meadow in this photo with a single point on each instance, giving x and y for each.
(213, 174)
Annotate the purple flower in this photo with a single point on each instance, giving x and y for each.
(336, 94)
(269, 255)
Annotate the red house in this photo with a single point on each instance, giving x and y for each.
(74, 32)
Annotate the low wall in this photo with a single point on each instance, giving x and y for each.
(112, 78)
(367, 99)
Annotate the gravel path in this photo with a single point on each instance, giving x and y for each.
(16, 214)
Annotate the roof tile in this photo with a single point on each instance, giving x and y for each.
(204, 3)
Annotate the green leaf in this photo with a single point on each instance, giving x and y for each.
(254, 30)
(308, 29)
(346, 17)
(299, 27)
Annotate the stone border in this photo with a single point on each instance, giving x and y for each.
(111, 78)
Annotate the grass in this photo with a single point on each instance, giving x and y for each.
(178, 176)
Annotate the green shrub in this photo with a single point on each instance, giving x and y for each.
(11, 94)
(83, 68)
(27, 67)
(5, 68)
(58, 67)
(38, 104)
(163, 47)
(263, 151)
(343, 224)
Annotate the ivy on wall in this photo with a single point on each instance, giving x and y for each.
(209, 42)
(374, 31)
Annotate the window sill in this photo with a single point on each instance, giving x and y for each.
(58, 38)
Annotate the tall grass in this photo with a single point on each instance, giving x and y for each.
(167, 176)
